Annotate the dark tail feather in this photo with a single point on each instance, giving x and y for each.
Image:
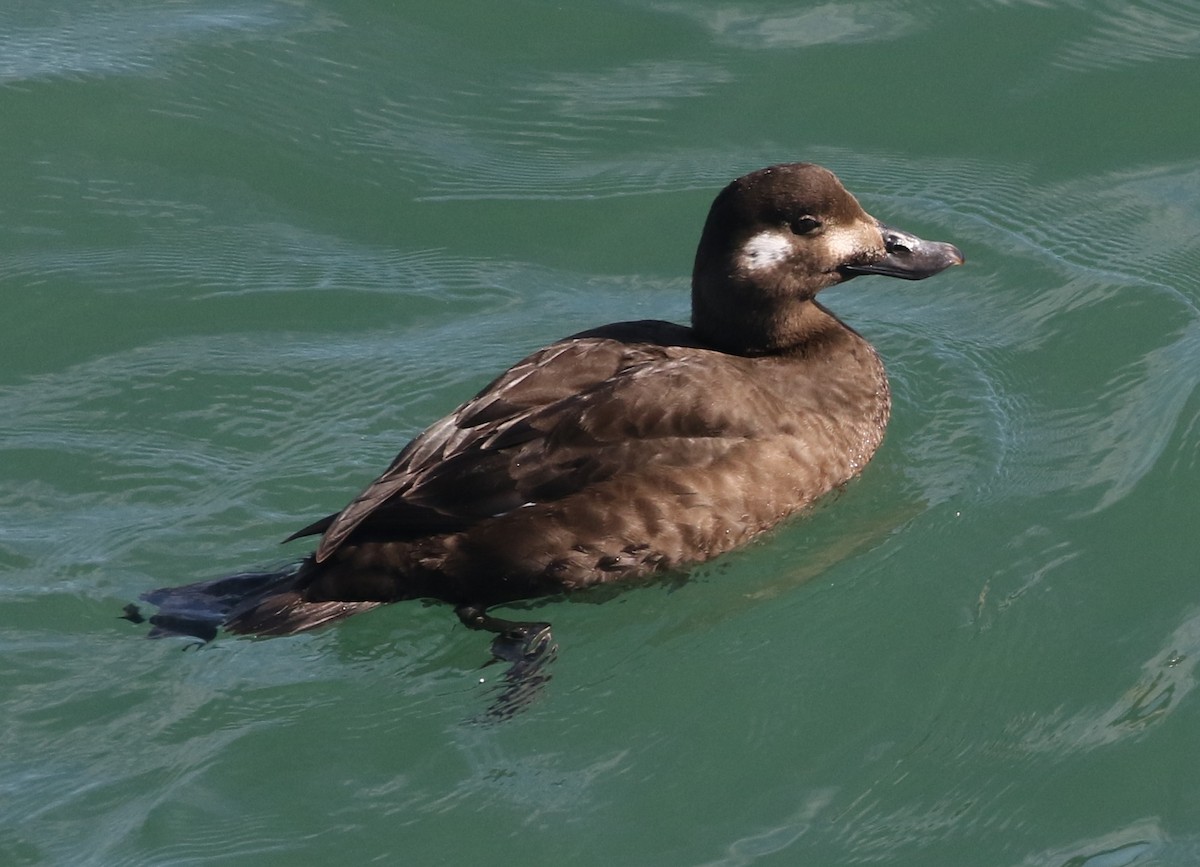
(249, 603)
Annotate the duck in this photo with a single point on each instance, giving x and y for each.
(622, 452)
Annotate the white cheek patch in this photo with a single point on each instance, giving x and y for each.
(765, 250)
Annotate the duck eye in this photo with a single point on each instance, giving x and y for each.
(804, 225)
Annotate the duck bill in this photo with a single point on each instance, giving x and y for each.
(908, 257)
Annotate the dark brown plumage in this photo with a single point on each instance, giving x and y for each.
(625, 450)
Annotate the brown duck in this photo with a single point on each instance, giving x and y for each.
(623, 451)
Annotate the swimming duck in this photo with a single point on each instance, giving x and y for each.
(623, 451)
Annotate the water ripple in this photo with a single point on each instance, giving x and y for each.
(1131, 33)
(125, 41)
(1167, 679)
(1119, 848)
(840, 23)
(639, 91)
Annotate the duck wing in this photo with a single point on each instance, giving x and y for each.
(568, 416)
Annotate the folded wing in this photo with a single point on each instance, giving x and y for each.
(571, 415)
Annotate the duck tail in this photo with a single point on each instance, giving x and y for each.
(270, 602)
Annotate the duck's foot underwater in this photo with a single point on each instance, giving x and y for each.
(529, 649)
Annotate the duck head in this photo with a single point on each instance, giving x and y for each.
(775, 238)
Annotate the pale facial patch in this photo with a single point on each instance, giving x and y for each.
(765, 250)
(842, 244)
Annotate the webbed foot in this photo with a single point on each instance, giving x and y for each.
(528, 647)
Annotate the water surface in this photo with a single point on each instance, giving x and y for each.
(250, 249)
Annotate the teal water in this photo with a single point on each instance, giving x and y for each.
(247, 250)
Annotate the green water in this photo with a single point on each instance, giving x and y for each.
(248, 250)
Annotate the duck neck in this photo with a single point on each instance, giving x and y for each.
(786, 327)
